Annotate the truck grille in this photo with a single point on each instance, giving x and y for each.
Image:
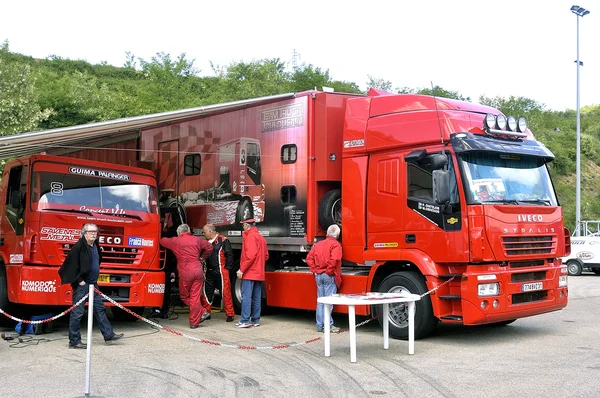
(115, 255)
(520, 245)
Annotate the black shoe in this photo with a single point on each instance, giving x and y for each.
(208, 318)
(229, 319)
(114, 337)
(79, 345)
(194, 326)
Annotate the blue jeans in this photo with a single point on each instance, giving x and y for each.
(251, 297)
(325, 287)
(77, 314)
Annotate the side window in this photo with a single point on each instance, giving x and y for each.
(289, 153)
(15, 198)
(253, 162)
(288, 195)
(420, 185)
(191, 164)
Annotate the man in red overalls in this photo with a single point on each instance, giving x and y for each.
(191, 251)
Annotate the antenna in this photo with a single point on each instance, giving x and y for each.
(438, 116)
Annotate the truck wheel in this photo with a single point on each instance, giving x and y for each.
(330, 209)
(407, 282)
(244, 211)
(121, 316)
(575, 267)
(4, 303)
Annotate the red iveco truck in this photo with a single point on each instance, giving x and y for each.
(427, 191)
(44, 202)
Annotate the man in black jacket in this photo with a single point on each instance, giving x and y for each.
(81, 269)
(218, 266)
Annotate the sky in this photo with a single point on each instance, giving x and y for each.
(503, 48)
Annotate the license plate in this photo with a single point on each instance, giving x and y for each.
(104, 278)
(528, 287)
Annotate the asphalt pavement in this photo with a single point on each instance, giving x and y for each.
(550, 355)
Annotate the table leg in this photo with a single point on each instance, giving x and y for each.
(411, 327)
(327, 328)
(386, 326)
(352, 324)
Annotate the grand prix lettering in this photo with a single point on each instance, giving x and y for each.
(59, 234)
(38, 286)
(99, 173)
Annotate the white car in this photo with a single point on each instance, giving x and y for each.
(585, 253)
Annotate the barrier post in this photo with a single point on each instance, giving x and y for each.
(88, 359)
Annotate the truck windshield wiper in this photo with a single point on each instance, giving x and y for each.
(89, 213)
(545, 202)
(124, 215)
(502, 201)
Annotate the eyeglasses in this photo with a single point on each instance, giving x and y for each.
(91, 232)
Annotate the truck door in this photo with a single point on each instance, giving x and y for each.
(14, 220)
(253, 162)
(436, 229)
(167, 172)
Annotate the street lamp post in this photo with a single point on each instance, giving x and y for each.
(579, 12)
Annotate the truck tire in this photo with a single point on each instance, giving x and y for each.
(575, 267)
(407, 282)
(244, 211)
(330, 209)
(4, 303)
(122, 316)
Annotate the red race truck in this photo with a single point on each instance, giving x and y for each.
(429, 192)
(44, 202)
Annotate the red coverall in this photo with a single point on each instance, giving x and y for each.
(189, 250)
(326, 256)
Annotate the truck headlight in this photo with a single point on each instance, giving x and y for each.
(562, 281)
(488, 289)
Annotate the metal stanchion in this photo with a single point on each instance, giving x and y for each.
(88, 359)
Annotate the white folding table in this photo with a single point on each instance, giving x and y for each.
(352, 300)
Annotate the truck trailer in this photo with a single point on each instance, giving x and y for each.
(431, 194)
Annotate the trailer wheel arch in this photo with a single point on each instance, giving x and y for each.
(330, 209)
(411, 282)
(575, 267)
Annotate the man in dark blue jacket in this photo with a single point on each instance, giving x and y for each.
(81, 269)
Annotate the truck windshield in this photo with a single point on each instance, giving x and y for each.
(86, 194)
(507, 179)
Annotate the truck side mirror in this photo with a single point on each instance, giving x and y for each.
(441, 186)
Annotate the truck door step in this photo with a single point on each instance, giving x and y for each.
(452, 317)
(450, 297)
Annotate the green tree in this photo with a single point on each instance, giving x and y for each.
(436, 91)
(378, 83)
(19, 109)
(243, 80)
